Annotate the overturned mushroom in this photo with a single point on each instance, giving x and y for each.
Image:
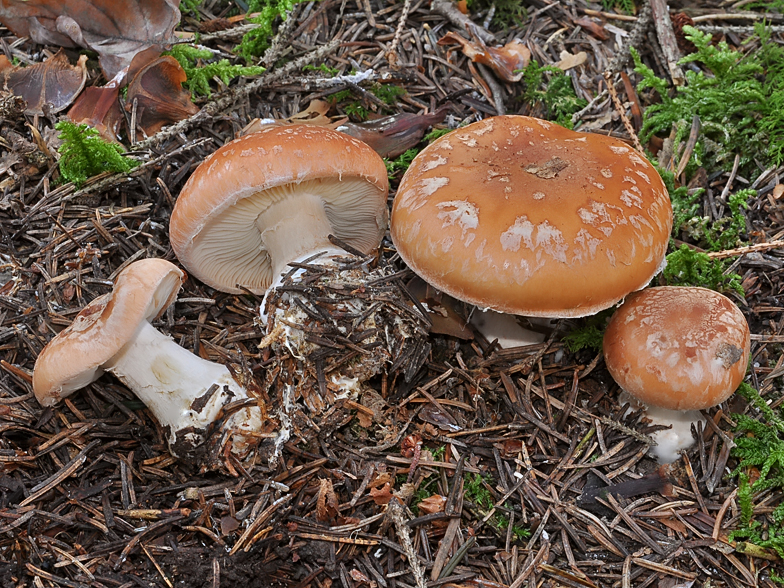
(678, 350)
(190, 397)
(293, 212)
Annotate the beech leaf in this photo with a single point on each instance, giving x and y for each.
(55, 82)
(159, 95)
(115, 29)
(99, 108)
(390, 136)
(507, 61)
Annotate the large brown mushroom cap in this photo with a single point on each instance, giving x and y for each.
(678, 348)
(524, 216)
(213, 227)
(74, 357)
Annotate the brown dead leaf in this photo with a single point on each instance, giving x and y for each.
(570, 60)
(778, 191)
(100, 109)
(55, 83)
(159, 95)
(593, 27)
(314, 114)
(409, 444)
(327, 502)
(390, 136)
(115, 29)
(432, 504)
(381, 495)
(506, 61)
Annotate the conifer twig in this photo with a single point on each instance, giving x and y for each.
(396, 513)
(756, 248)
(392, 51)
(621, 112)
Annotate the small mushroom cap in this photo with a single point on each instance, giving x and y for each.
(73, 359)
(678, 348)
(213, 226)
(526, 217)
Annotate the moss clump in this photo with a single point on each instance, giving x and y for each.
(255, 42)
(738, 98)
(687, 267)
(200, 71)
(552, 89)
(759, 445)
(85, 154)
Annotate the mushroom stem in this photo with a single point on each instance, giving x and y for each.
(183, 391)
(294, 229)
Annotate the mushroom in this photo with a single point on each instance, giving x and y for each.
(293, 212)
(523, 216)
(189, 396)
(274, 197)
(678, 350)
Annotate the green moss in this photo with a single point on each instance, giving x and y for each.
(255, 42)
(388, 93)
(687, 267)
(85, 154)
(553, 89)
(201, 71)
(589, 336)
(401, 162)
(738, 98)
(323, 68)
(759, 444)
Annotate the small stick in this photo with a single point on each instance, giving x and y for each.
(396, 513)
(778, 244)
(666, 36)
(392, 51)
(621, 112)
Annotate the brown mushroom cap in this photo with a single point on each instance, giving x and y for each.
(678, 348)
(213, 227)
(73, 359)
(524, 216)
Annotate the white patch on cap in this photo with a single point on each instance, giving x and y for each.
(637, 160)
(538, 195)
(601, 218)
(463, 213)
(421, 190)
(586, 246)
(619, 149)
(643, 175)
(550, 240)
(630, 180)
(433, 163)
(487, 127)
(521, 230)
(631, 200)
(606, 173)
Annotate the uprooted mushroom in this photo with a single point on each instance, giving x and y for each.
(203, 408)
(296, 213)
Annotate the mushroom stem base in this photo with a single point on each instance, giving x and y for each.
(183, 391)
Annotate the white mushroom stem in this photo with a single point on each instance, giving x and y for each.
(295, 228)
(669, 442)
(181, 389)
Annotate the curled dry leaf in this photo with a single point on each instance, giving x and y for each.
(314, 114)
(432, 504)
(55, 83)
(390, 136)
(507, 61)
(381, 495)
(159, 95)
(570, 60)
(100, 109)
(327, 502)
(115, 29)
